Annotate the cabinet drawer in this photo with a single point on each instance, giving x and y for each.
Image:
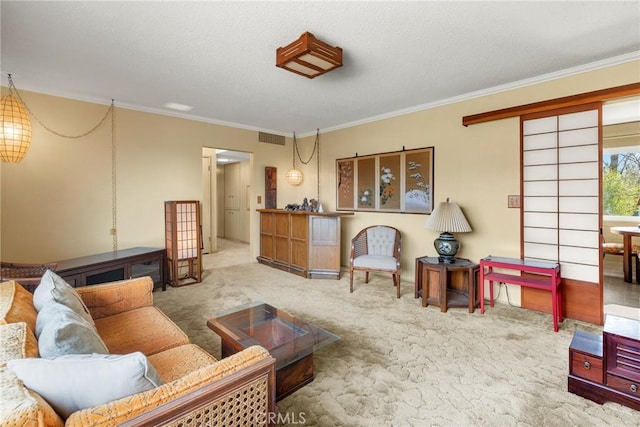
(624, 385)
(587, 366)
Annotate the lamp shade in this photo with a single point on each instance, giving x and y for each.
(448, 217)
(309, 56)
(15, 130)
(293, 176)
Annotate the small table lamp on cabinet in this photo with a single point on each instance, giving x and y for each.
(447, 218)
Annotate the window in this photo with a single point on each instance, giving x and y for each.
(621, 181)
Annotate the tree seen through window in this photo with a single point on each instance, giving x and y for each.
(621, 182)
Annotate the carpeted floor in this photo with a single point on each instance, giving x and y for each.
(399, 364)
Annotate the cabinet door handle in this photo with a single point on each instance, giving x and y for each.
(587, 365)
(633, 388)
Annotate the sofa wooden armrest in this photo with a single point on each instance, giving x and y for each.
(245, 398)
(107, 299)
(239, 387)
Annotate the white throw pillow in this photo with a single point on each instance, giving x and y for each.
(74, 382)
(54, 288)
(62, 331)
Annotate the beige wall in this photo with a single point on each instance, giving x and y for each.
(56, 203)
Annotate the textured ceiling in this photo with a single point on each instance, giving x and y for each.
(219, 57)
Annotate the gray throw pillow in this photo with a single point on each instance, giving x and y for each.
(62, 331)
(75, 382)
(54, 288)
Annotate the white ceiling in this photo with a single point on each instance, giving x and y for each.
(219, 57)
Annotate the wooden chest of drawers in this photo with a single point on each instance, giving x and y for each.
(585, 357)
(607, 368)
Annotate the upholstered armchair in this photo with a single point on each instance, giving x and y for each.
(376, 248)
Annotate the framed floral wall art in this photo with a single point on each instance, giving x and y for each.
(400, 181)
(389, 182)
(366, 183)
(418, 194)
(345, 179)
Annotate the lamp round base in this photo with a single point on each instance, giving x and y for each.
(447, 247)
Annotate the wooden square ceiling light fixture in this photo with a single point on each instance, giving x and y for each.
(309, 56)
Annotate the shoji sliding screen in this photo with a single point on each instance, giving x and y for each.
(561, 203)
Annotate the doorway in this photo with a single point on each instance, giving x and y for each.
(226, 185)
(621, 196)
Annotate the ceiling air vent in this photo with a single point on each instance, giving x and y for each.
(270, 138)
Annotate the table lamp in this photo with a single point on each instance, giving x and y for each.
(447, 218)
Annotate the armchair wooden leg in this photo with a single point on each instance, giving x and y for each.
(637, 268)
(396, 281)
(351, 280)
(366, 277)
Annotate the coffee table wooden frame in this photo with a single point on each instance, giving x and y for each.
(290, 340)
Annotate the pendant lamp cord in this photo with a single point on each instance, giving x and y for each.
(114, 192)
(316, 152)
(110, 110)
(12, 89)
(295, 148)
(297, 151)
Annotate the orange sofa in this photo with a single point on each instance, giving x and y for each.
(196, 388)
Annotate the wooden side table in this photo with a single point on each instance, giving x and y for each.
(447, 285)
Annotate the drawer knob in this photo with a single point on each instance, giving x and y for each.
(633, 388)
(587, 365)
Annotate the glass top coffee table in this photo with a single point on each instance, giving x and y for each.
(289, 339)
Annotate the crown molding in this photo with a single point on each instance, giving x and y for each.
(609, 62)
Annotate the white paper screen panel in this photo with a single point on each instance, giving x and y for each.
(540, 141)
(579, 171)
(541, 251)
(585, 222)
(586, 239)
(541, 188)
(577, 137)
(584, 273)
(540, 204)
(579, 205)
(572, 254)
(540, 173)
(543, 220)
(583, 119)
(540, 235)
(578, 154)
(540, 157)
(543, 125)
(580, 187)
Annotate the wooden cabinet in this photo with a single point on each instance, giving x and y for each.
(303, 243)
(607, 367)
(183, 240)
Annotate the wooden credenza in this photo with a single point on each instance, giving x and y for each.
(607, 367)
(303, 243)
(116, 265)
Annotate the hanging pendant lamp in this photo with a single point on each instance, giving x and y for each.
(15, 130)
(294, 176)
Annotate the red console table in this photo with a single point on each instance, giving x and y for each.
(547, 277)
